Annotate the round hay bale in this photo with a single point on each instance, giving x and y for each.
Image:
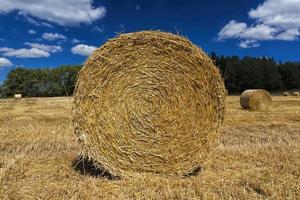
(296, 93)
(148, 102)
(256, 99)
(18, 96)
(285, 94)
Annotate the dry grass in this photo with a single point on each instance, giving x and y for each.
(258, 158)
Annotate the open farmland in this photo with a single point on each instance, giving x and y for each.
(258, 157)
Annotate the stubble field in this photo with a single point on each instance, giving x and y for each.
(258, 157)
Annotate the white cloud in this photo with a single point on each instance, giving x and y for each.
(65, 13)
(32, 32)
(259, 32)
(36, 50)
(282, 13)
(5, 49)
(249, 44)
(4, 62)
(274, 20)
(289, 35)
(48, 48)
(33, 21)
(232, 30)
(27, 53)
(53, 36)
(241, 31)
(83, 50)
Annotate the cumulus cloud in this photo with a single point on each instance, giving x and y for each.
(4, 62)
(48, 48)
(65, 13)
(282, 13)
(5, 49)
(249, 44)
(83, 49)
(26, 53)
(259, 32)
(241, 31)
(273, 20)
(31, 20)
(232, 30)
(289, 35)
(53, 36)
(36, 50)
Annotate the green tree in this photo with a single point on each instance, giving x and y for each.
(290, 73)
(42, 82)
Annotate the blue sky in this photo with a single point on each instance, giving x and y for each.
(49, 33)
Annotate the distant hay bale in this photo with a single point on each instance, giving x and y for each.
(256, 99)
(18, 96)
(296, 94)
(286, 94)
(148, 102)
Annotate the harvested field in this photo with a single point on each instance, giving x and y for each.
(258, 158)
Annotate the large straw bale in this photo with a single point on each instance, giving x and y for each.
(286, 94)
(256, 99)
(149, 102)
(296, 93)
(18, 96)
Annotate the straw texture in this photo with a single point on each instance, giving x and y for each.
(148, 102)
(256, 99)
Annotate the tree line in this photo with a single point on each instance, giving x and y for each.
(44, 82)
(257, 73)
(239, 74)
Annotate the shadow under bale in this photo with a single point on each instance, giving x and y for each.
(86, 166)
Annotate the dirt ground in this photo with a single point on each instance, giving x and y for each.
(258, 157)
